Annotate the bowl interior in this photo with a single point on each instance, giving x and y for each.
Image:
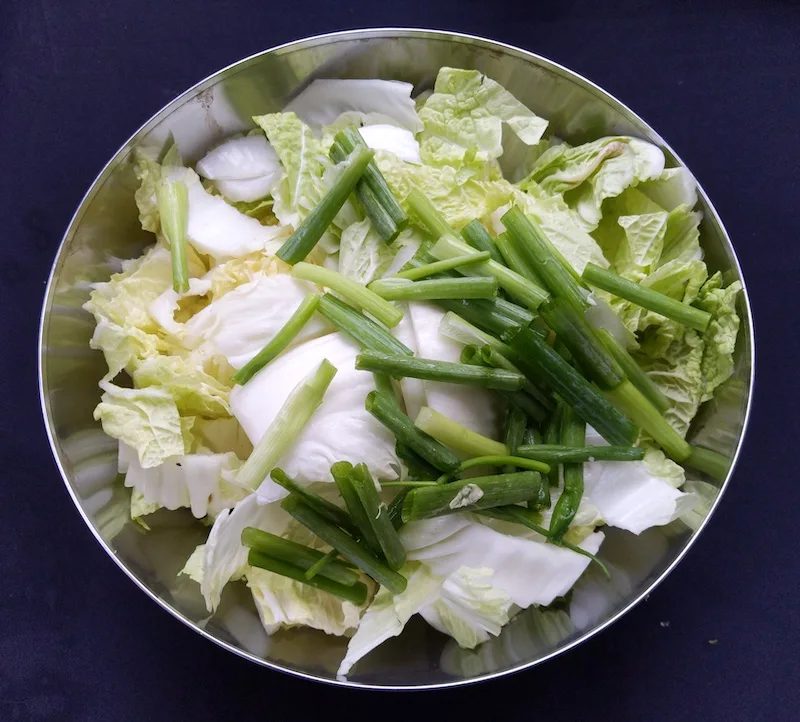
(106, 230)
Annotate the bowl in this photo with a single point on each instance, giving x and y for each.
(105, 229)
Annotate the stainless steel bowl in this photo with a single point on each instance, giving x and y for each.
(105, 229)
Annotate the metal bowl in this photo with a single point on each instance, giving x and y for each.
(105, 229)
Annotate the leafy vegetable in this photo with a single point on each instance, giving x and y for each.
(388, 613)
(323, 101)
(145, 419)
(340, 430)
(464, 119)
(469, 608)
(244, 168)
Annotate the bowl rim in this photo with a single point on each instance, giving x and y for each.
(310, 42)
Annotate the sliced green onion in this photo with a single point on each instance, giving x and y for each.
(317, 568)
(514, 459)
(356, 593)
(636, 375)
(516, 422)
(409, 435)
(378, 515)
(473, 494)
(379, 216)
(295, 413)
(445, 371)
(573, 431)
(319, 503)
(552, 437)
(529, 294)
(342, 473)
(541, 362)
(647, 297)
(478, 237)
(280, 340)
(426, 212)
(400, 289)
(538, 251)
(456, 436)
(350, 549)
(354, 292)
(574, 332)
(312, 228)
(513, 258)
(456, 328)
(630, 401)
(554, 454)
(173, 211)
(432, 269)
(363, 330)
(296, 554)
(709, 462)
(495, 317)
(350, 139)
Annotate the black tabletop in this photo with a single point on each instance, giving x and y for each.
(720, 637)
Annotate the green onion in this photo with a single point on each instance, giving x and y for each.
(426, 212)
(319, 503)
(296, 554)
(350, 139)
(378, 515)
(515, 431)
(482, 492)
(518, 515)
(317, 568)
(379, 216)
(630, 401)
(540, 361)
(417, 468)
(478, 237)
(537, 250)
(356, 593)
(350, 549)
(573, 431)
(529, 294)
(311, 229)
(445, 371)
(647, 297)
(513, 258)
(709, 462)
(432, 269)
(342, 473)
(636, 375)
(552, 437)
(495, 460)
(384, 385)
(396, 509)
(173, 211)
(354, 292)
(532, 436)
(494, 317)
(399, 289)
(456, 328)
(409, 435)
(301, 403)
(359, 327)
(456, 436)
(491, 357)
(566, 454)
(280, 341)
(472, 355)
(589, 352)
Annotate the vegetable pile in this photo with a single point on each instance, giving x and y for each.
(409, 357)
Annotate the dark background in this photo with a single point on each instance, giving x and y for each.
(719, 82)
